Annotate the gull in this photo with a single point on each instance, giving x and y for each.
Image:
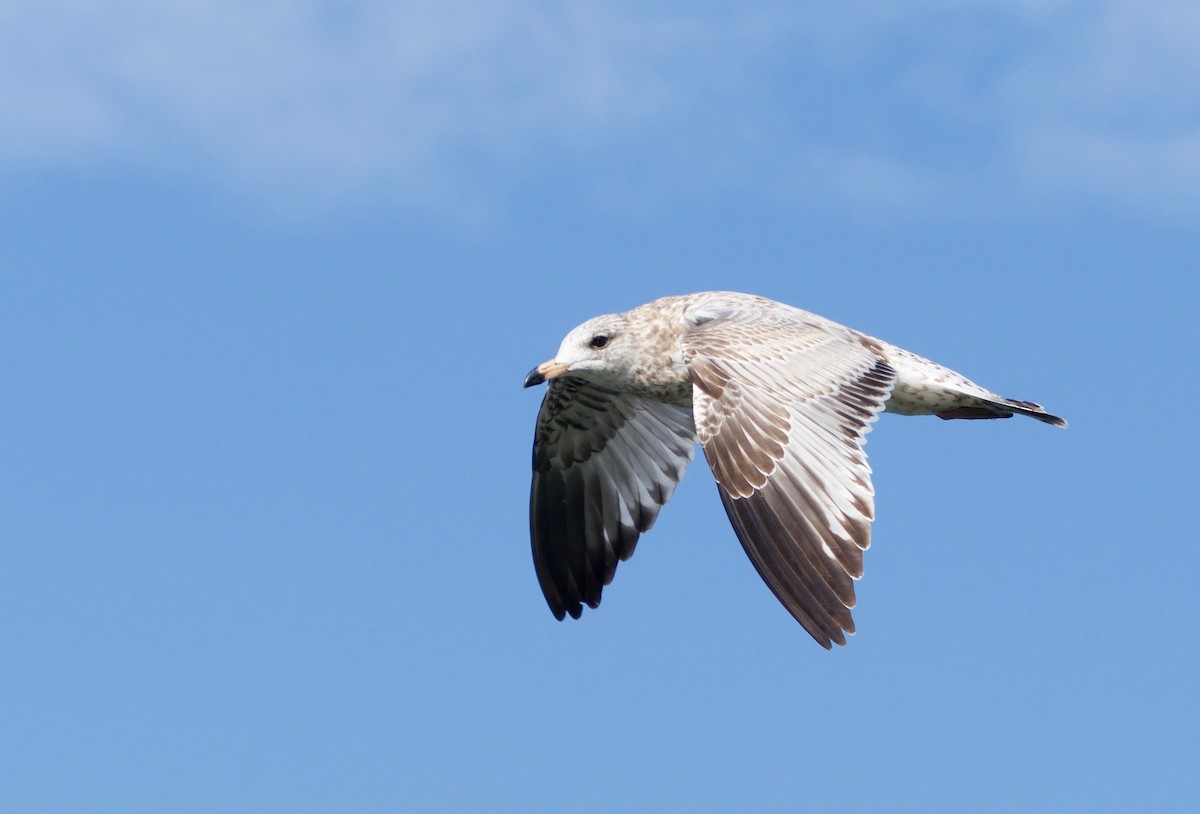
(779, 399)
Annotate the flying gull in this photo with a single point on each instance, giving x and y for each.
(780, 400)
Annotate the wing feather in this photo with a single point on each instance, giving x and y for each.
(783, 401)
(604, 464)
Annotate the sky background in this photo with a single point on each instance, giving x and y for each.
(271, 275)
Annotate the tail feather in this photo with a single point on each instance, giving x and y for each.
(1034, 411)
(1003, 408)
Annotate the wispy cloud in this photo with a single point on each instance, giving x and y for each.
(321, 99)
(916, 107)
(1107, 110)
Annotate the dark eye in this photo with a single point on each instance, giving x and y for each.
(599, 341)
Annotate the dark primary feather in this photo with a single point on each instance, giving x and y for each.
(604, 463)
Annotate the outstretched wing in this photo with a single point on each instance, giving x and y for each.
(782, 405)
(604, 463)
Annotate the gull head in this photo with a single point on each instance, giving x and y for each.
(600, 350)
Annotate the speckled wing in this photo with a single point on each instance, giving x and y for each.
(782, 406)
(604, 463)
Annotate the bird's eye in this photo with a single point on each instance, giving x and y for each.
(599, 341)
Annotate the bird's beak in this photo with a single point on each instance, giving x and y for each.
(544, 372)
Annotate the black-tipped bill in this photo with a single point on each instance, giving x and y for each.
(545, 372)
(535, 376)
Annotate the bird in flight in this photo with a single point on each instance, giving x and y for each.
(780, 400)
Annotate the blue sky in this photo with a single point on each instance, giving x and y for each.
(272, 275)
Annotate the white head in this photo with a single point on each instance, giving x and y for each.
(598, 350)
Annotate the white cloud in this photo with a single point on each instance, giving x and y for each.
(1108, 110)
(311, 98)
(914, 107)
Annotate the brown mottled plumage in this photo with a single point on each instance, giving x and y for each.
(781, 401)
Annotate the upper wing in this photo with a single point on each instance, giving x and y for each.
(604, 463)
(782, 405)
